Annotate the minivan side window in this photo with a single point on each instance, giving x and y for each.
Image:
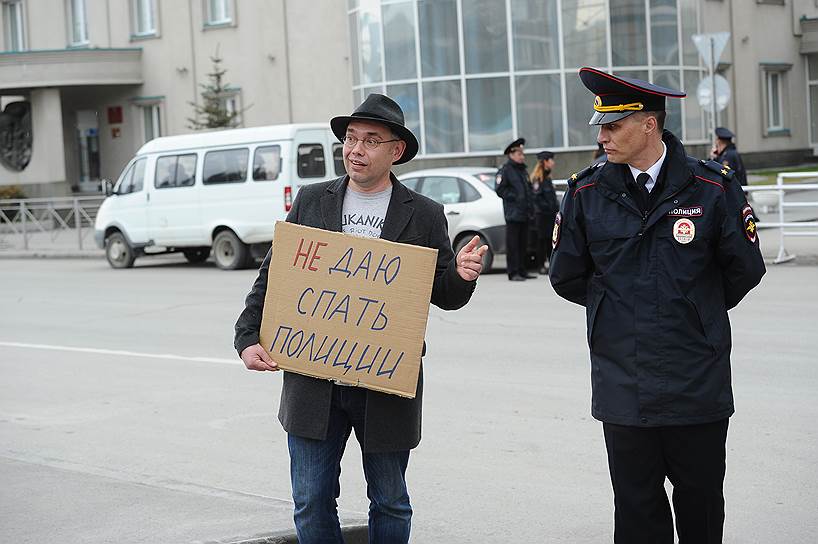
(175, 171)
(225, 166)
(133, 178)
(338, 159)
(311, 161)
(267, 163)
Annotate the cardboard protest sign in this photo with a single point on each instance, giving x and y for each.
(347, 308)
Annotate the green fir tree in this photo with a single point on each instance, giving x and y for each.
(213, 113)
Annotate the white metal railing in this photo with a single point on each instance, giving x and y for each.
(781, 190)
(47, 220)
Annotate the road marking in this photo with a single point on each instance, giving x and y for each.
(123, 353)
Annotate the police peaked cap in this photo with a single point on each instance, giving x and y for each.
(516, 143)
(618, 97)
(724, 134)
(545, 155)
(378, 108)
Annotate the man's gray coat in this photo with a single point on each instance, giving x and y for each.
(392, 423)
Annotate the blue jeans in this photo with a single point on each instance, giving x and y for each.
(315, 468)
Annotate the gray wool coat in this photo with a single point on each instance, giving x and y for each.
(392, 423)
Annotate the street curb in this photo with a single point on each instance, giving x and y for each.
(353, 534)
(36, 254)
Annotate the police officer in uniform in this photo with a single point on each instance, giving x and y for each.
(513, 187)
(657, 246)
(725, 153)
(545, 208)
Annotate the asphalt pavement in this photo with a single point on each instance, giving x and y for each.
(126, 416)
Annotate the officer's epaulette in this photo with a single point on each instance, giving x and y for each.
(724, 171)
(574, 178)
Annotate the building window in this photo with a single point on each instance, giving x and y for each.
(79, 22)
(471, 75)
(144, 17)
(13, 25)
(219, 12)
(775, 98)
(151, 121)
(774, 101)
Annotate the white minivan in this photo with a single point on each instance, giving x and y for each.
(221, 190)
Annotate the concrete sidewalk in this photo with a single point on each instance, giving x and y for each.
(144, 510)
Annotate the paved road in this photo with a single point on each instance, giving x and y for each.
(161, 431)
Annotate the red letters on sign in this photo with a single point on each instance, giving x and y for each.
(301, 252)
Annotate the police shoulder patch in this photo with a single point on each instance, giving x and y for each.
(748, 221)
(721, 169)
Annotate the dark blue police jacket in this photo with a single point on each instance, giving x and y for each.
(657, 285)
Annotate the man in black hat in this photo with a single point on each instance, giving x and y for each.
(512, 185)
(725, 153)
(545, 208)
(317, 414)
(657, 246)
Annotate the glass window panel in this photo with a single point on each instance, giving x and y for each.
(670, 79)
(694, 116)
(407, 98)
(664, 32)
(399, 41)
(687, 9)
(79, 29)
(813, 104)
(629, 34)
(138, 175)
(369, 34)
(411, 183)
(226, 166)
(437, 25)
(536, 37)
(175, 171)
(125, 184)
(443, 114)
(144, 16)
(812, 60)
(444, 190)
(580, 106)
(311, 161)
(584, 33)
(357, 98)
(489, 103)
(774, 99)
(354, 37)
(186, 170)
(539, 110)
(267, 163)
(484, 35)
(469, 193)
(338, 159)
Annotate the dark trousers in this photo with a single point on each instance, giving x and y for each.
(545, 229)
(516, 248)
(692, 457)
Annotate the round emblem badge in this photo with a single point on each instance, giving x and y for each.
(684, 230)
(555, 234)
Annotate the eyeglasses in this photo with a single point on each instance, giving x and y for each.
(369, 143)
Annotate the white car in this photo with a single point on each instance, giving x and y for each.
(470, 203)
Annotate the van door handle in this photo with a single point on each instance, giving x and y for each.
(148, 197)
(452, 213)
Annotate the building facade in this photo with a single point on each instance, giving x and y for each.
(84, 83)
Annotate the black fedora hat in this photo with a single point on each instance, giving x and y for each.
(378, 108)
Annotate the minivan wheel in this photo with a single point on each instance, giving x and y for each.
(229, 252)
(196, 254)
(118, 252)
(488, 258)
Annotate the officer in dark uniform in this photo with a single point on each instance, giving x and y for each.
(545, 208)
(513, 187)
(657, 246)
(725, 153)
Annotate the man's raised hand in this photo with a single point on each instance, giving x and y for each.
(469, 259)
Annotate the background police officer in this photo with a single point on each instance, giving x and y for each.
(545, 208)
(513, 187)
(657, 246)
(725, 153)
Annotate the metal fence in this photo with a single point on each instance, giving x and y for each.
(47, 223)
(68, 223)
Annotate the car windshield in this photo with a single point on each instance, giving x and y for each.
(487, 179)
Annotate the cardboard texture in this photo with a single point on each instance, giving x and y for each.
(347, 308)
